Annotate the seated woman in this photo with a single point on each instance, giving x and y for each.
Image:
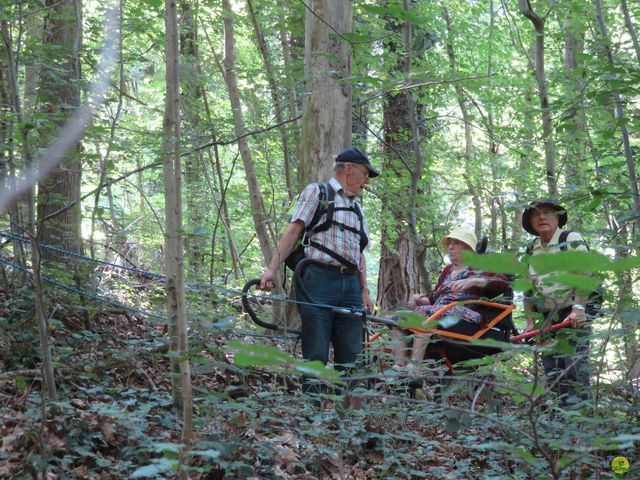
(455, 281)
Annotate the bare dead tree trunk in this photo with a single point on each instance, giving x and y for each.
(524, 170)
(630, 28)
(547, 122)
(174, 246)
(48, 375)
(576, 135)
(105, 159)
(257, 205)
(631, 338)
(275, 98)
(222, 215)
(468, 138)
(11, 98)
(292, 96)
(619, 115)
(326, 116)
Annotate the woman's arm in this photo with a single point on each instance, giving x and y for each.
(496, 284)
(482, 285)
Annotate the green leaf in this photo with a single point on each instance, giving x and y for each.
(452, 425)
(152, 470)
(249, 355)
(495, 263)
(625, 264)
(315, 369)
(533, 389)
(565, 460)
(21, 383)
(522, 285)
(489, 342)
(212, 454)
(581, 262)
(525, 455)
(411, 320)
(583, 284)
(562, 346)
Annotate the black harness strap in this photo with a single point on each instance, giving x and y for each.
(327, 195)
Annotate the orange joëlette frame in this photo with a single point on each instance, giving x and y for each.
(506, 310)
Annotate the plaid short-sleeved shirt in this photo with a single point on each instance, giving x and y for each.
(341, 241)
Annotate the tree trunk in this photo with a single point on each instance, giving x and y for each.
(547, 123)
(104, 161)
(59, 97)
(190, 101)
(468, 138)
(576, 135)
(174, 247)
(400, 265)
(43, 325)
(292, 96)
(630, 28)
(12, 107)
(620, 119)
(275, 98)
(326, 117)
(257, 206)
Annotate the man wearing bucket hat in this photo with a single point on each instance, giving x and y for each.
(456, 280)
(337, 274)
(555, 302)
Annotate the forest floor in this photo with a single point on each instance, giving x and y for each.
(114, 417)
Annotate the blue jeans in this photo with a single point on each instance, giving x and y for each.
(322, 328)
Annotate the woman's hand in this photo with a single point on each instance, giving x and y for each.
(418, 299)
(458, 286)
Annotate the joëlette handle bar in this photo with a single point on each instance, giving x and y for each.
(246, 305)
(533, 333)
(394, 323)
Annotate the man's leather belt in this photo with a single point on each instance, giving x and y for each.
(342, 270)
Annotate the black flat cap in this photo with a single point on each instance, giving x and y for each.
(546, 202)
(353, 155)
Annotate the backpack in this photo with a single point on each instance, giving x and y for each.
(326, 206)
(594, 303)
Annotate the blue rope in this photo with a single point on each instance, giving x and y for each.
(191, 286)
(82, 257)
(108, 301)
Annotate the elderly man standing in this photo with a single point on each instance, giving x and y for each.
(338, 275)
(555, 302)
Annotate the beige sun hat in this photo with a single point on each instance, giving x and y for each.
(464, 234)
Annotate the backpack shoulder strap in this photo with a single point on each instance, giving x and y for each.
(562, 240)
(364, 240)
(320, 209)
(529, 249)
(326, 204)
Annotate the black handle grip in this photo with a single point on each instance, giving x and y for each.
(246, 305)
